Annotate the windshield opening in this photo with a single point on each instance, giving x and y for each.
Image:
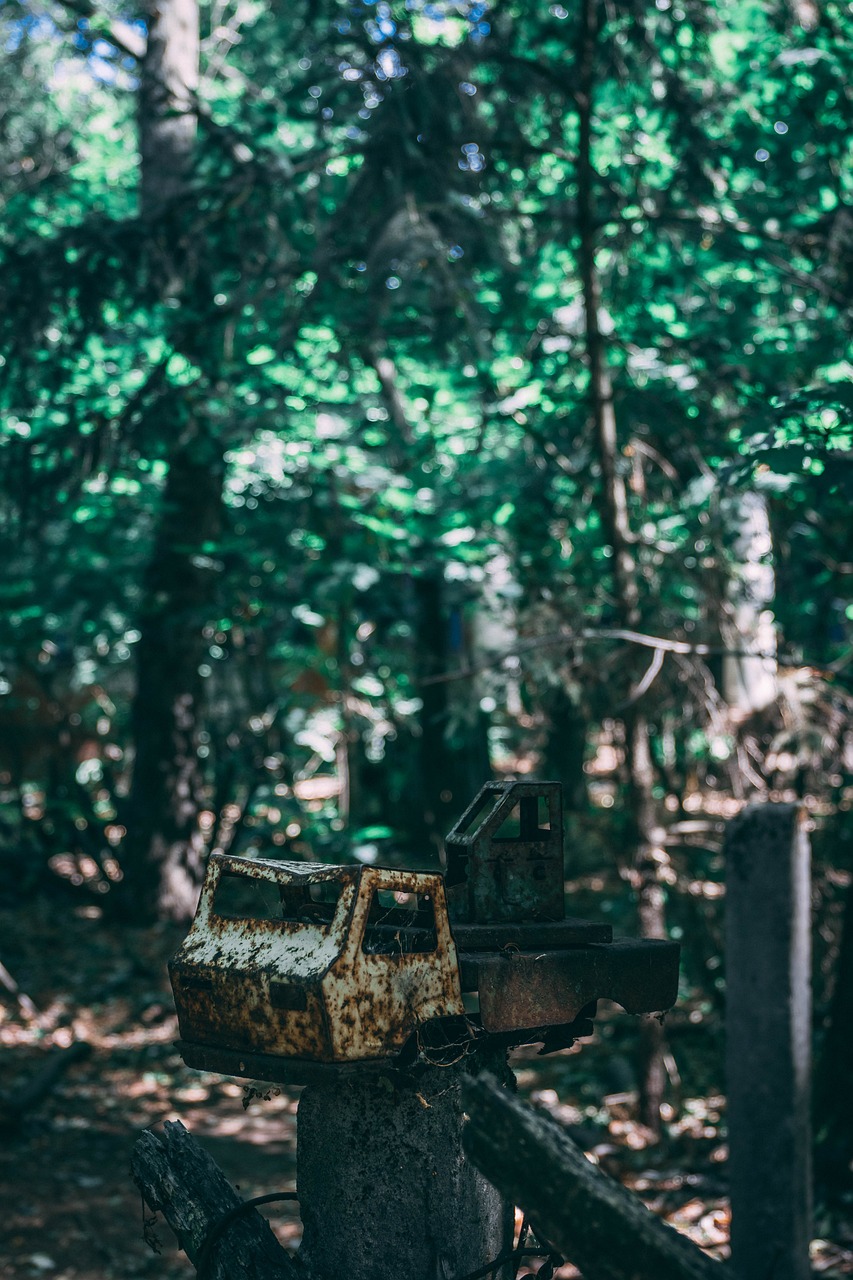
(243, 897)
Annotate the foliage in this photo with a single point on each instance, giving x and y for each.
(380, 324)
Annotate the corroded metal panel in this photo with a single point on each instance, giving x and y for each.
(505, 855)
(550, 988)
(531, 935)
(256, 983)
(305, 983)
(376, 998)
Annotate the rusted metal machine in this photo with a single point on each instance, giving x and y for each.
(298, 971)
(344, 966)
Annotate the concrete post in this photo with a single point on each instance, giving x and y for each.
(768, 1041)
(385, 1188)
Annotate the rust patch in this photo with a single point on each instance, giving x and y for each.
(552, 988)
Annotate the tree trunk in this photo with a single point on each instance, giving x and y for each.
(649, 858)
(649, 854)
(566, 714)
(386, 1190)
(454, 760)
(164, 850)
(749, 684)
(167, 118)
(564, 750)
(163, 860)
(613, 490)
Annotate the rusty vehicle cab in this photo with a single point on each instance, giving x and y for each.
(300, 961)
(292, 971)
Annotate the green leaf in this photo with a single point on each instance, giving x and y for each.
(260, 355)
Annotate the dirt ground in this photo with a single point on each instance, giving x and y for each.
(70, 1209)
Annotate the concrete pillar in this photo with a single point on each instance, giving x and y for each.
(385, 1188)
(768, 1041)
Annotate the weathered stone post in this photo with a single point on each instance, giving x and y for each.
(386, 1190)
(768, 1041)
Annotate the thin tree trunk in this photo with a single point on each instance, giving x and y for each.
(565, 746)
(566, 714)
(649, 858)
(167, 118)
(614, 495)
(749, 684)
(453, 766)
(438, 802)
(648, 844)
(164, 850)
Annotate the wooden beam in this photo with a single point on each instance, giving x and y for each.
(606, 1231)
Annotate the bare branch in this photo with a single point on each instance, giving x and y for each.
(566, 637)
(643, 685)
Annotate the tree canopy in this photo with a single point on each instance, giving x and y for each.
(321, 424)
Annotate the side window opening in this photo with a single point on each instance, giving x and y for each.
(400, 923)
(528, 820)
(240, 897)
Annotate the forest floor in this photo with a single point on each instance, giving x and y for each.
(70, 1209)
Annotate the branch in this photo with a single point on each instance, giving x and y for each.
(647, 681)
(565, 636)
(548, 447)
(385, 370)
(118, 33)
(555, 76)
(655, 456)
(25, 1004)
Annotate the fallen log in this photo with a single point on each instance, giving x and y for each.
(606, 1231)
(179, 1179)
(16, 1105)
